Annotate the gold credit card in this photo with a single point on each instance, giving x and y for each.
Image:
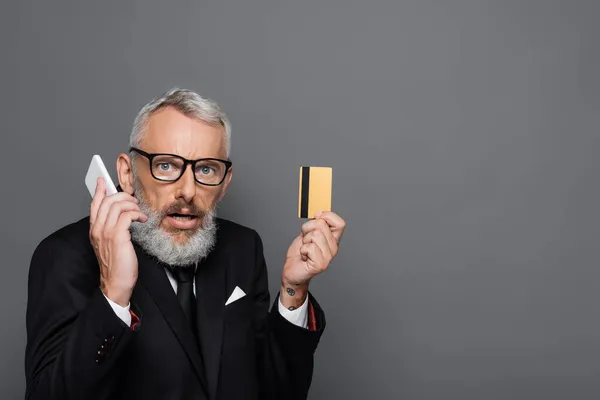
(315, 191)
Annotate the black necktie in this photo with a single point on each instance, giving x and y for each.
(185, 293)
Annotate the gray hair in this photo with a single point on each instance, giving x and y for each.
(188, 103)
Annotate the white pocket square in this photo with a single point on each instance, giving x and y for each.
(236, 295)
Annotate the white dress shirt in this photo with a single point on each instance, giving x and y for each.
(298, 317)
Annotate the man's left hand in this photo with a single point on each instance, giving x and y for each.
(309, 255)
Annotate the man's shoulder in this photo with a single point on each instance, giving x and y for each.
(238, 241)
(73, 236)
(75, 232)
(65, 255)
(234, 230)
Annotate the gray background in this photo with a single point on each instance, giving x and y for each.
(463, 137)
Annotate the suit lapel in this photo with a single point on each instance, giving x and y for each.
(211, 279)
(153, 277)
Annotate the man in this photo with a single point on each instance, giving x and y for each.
(154, 297)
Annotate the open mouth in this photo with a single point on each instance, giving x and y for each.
(183, 217)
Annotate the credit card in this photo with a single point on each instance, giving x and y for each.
(315, 191)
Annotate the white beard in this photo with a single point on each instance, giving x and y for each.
(160, 244)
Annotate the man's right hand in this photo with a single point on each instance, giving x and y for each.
(110, 219)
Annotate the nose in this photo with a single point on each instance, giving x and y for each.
(186, 185)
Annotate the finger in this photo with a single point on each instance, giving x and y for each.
(335, 222)
(331, 240)
(318, 237)
(323, 237)
(310, 226)
(99, 194)
(107, 202)
(311, 252)
(126, 218)
(115, 212)
(321, 225)
(332, 219)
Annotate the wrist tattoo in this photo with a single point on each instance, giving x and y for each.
(291, 291)
(292, 308)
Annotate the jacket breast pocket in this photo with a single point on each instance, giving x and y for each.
(239, 308)
(238, 323)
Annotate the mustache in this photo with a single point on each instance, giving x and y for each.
(176, 208)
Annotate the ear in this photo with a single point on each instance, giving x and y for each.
(125, 173)
(225, 184)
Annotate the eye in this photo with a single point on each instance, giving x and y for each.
(164, 166)
(205, 170)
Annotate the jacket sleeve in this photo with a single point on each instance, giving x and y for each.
(285, 351)
(74, 338)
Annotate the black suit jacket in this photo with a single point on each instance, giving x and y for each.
(78, 348)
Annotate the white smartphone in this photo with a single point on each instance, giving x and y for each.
(95, 171)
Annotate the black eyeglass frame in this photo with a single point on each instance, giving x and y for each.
(151, 156)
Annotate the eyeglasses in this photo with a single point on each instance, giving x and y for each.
(171, 167)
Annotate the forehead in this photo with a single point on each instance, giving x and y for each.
(170, 131)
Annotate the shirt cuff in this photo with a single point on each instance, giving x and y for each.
(122, 312)
(298, 317)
